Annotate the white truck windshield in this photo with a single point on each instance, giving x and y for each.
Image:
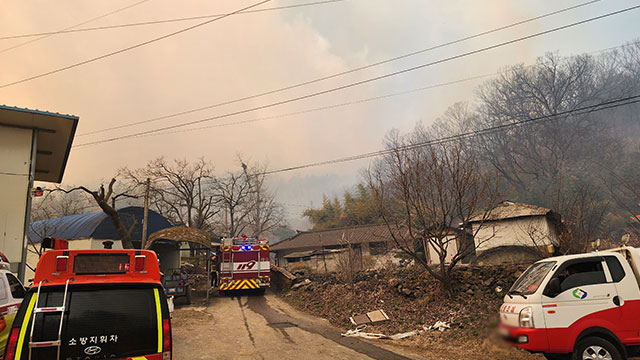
(529, 282)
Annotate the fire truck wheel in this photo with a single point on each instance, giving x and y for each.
(188, 295)
(595, 348)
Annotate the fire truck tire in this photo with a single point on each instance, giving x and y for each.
(596, 348)
(188, 294)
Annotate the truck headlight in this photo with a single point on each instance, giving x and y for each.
(526, 317)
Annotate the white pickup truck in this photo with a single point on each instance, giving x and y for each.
(584, 306)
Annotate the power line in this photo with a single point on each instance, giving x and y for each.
(130, 47)
(611, 104)
(46, 35)
(311, 95)
(334, 106)
(155, 22)
(579, 111)
(341, 73)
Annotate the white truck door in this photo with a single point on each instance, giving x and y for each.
(583, 292)
(628, 297)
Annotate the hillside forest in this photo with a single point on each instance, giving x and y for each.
(567, 137)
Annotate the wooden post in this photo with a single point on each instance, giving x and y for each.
(145, 220)
(208, 266)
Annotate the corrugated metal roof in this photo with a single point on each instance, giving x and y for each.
(96, 225)
(38, 112)
(70, 227)
(354, 235)
(54, 138)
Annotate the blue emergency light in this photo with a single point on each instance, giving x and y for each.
(246, 247)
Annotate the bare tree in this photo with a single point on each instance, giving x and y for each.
(106, 200)
(543, 153)
(233, 193)
(265, 213)
(180, 191)
(583, 217)
(55, 204)
(428, 196)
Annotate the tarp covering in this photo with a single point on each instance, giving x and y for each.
(180, 233)
(96, 225)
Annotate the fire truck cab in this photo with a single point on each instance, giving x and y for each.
(583, 306)
(244, 264)
(93, 304)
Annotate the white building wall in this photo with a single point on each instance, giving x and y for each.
(451, 248)
(15, 162)
(526, 231)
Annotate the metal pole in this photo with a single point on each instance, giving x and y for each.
(145, 220)
(27, 215)
(208, 287)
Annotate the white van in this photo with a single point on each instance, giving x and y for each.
(584, 306)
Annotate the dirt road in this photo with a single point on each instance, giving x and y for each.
(262, 327)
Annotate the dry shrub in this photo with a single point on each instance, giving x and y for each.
(348, 263)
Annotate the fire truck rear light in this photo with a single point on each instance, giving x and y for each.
(62, 263)
(12, 344)
(166, 338)
(140, 260)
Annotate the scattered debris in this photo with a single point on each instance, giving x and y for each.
(371, 317)
(283, 271)
(301, 284)
(358, 332)
(329, 297)
(404, 335)
(439, 325)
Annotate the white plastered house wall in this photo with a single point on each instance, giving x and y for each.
(451, 247)
(515, 224)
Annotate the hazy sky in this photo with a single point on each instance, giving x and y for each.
(247, 54)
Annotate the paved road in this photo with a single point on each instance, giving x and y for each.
(262, 327)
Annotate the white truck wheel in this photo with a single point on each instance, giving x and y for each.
(596, 348)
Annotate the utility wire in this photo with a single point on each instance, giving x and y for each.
(311, 95)
(165, 21)
(486, 131)
(611, 104)
(340, 73)
(334, 106)
(68, 29)
(130, 47)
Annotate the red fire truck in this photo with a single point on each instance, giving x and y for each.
(93, 304)
(244, 264)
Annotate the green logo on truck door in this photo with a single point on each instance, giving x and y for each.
(579, 294)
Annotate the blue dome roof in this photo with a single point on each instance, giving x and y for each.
(96, 225)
